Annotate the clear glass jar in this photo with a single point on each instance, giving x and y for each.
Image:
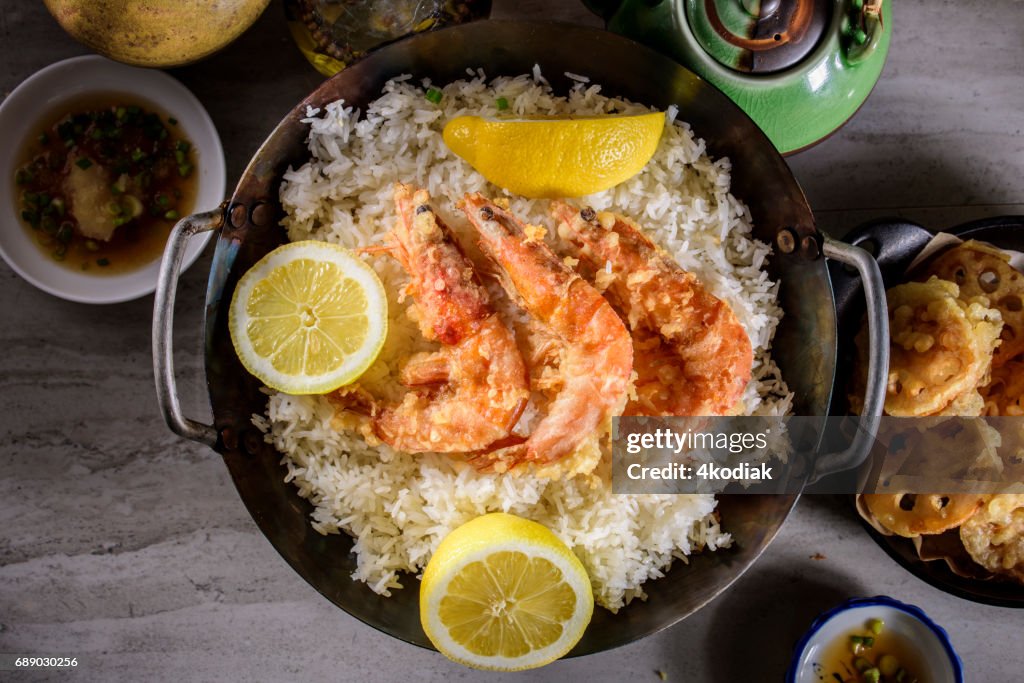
(335, 33)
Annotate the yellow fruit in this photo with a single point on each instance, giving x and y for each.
(556, 157)
(503, 593)
(156, 32)
(308, 318)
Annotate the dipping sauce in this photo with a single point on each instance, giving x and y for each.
(101, 183)
(871, 654)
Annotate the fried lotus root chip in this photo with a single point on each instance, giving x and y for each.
(910, 515)
(940, 351)
(981, 270)
(994, 537)
(1004, 394)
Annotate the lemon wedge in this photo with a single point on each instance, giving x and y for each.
(503, 593)
(308, 318)
(556, 157)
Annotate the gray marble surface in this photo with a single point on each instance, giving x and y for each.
(129, 548)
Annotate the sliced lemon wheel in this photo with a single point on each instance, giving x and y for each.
(308, 318)
(556, 157)
(504, 593)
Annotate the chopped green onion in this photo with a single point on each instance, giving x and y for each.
(872, 676)
(102, 262)
(163, 201)
(115, 208)
(888, 665)
(138, 154)
(875, 626)
(171, 215)
(179, 156)
(133, 206)
(65, 232)
(182, 146)
(173, 121)
(434, 95)
(43, 138)
(92, 245)
(83, 163)
(869, 641)
(120, 112)
(58, 206)
(502, 104)
(23, 176)
(184, 170)
(134, 111)
(121, 220)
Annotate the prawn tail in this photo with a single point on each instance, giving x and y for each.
(501, 456)
(374, 249)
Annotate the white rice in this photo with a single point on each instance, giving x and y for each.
(397, 506)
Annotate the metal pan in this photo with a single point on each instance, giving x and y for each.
(896, 244)
(247, 228)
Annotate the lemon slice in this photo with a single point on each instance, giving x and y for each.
(308, 318)
(556, 157)
(503, 593)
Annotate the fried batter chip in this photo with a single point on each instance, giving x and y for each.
(940, 351)
(910, 515)
(994, 537)
(1004, 394)
(923, 452)
(981, 270)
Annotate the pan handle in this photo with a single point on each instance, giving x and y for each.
(878, 359)
(163, 326)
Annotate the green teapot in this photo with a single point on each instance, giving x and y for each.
(799, 68)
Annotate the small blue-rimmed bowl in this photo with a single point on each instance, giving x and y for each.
(937, 661)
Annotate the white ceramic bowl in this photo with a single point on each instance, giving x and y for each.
(40, 96)
(937, 658)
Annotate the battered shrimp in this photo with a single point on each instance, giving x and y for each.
(692, 355)
(596, 354)
(470, 393)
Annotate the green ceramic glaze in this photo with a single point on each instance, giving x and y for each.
(796, 107)
(736, 19)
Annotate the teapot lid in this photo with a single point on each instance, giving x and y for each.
(758, 36)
